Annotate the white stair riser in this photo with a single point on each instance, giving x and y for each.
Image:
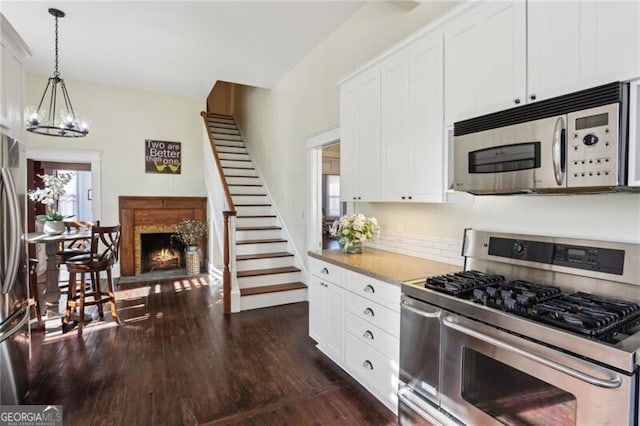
(214, 125)
(224, 150)
(227, 156)
(226, 131)
(258, 235)
(228, 144)
(256, 221)
(271, 262)
(239, 172)
(220, 119)
(246, 189)
(273, 299)
(224, 136)
(250, 199)
(254, 210)
(264, 280)
(260, 248)
(236, 163)
(243, 180)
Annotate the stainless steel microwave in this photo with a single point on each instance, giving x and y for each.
(572, 143)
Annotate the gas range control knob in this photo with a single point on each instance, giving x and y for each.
(518, 248)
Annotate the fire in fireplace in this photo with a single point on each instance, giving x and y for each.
(160, 252)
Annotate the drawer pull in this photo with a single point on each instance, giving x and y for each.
(367, 364)
(368, 335)
(369, 312)
(324, 271)
(369, 289)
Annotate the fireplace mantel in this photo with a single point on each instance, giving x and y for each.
(140, 211)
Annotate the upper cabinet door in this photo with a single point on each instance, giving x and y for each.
(369, 137)
(394, 126)
(578, 44)
(4, 119)
(485, 60)
(425, 161)
(349, 106)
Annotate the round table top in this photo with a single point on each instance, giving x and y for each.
(42, 238)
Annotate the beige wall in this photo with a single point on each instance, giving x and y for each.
(276, 123)
(121, 121)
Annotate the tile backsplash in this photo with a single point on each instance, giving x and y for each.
(447, 250)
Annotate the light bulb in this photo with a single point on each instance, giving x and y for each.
(67, 120)
(33, 116)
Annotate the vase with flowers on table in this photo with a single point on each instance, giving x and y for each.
(352, 231)
(191, 232)
(49, 195)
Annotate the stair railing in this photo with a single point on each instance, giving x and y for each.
(224, 219)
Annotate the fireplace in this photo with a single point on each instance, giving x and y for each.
(160, 252)
(141, 216)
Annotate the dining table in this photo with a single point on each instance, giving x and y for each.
(52, 243)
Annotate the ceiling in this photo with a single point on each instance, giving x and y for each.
(175, 47)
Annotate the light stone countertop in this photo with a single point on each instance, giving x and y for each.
(384, 265)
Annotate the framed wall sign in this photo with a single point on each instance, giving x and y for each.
(162, 157)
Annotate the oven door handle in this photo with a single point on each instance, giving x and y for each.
(420, 312)
(611, 383)
(423, 408)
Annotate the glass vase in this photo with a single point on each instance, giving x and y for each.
(192, 260)
(353, 248)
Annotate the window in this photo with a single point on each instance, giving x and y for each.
(332, 185)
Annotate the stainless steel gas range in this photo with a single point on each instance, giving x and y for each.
(535, 331)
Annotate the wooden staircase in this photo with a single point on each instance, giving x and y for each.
(266, 269)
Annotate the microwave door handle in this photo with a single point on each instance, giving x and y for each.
(559, 150)
(611, 383)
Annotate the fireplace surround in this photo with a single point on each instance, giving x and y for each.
(141, 215)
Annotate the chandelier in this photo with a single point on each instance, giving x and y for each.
(60, 119)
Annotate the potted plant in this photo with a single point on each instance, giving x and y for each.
(191, 232)
(351, 231)
(49, 195)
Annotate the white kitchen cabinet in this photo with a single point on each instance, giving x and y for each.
(326, 309)
(360, 138)
(485, 60)
(411, 103)
(578, 44)
(13, 52)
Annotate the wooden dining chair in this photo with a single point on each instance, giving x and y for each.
(104, 253)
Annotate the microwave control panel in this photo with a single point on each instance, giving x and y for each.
(592, 147)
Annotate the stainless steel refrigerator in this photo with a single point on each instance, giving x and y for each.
(14, 309)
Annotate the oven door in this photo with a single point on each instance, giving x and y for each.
(493, 377)
(522, 157)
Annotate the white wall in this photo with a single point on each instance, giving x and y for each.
(122, 120)
(276, 122)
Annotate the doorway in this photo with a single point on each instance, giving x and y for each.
(77, 201)
(332, 206)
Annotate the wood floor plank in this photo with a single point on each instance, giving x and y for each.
(177, 359)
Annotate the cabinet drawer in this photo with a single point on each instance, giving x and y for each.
(375, 371)
(377, 315)
(326, 271)
(373, 336)
(378, 291)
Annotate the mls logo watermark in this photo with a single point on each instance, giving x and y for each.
(30, 415)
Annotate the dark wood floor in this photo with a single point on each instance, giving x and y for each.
(177, 360)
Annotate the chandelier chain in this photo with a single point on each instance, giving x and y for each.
(56, 73)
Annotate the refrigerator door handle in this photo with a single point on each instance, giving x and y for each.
(24, 311)
(13, 248)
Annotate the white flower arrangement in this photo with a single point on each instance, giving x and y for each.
(50, 194)
(356, 228)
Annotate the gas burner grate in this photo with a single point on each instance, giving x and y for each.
(459, 284)
(514, 296)
(588, 314)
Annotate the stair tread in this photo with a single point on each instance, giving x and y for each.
(240, 176)
(255, 216)
(252, 291)
(235, 159)
(252, 205)
(261, 241)
(249, 195)
(271, 255)
(245, 184)
(267, 271)
(239, 168)
(257, 228)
